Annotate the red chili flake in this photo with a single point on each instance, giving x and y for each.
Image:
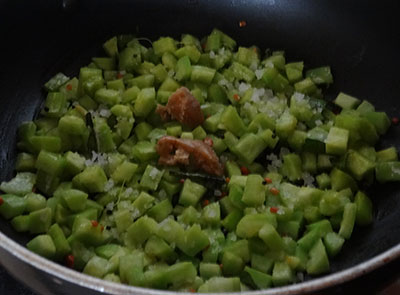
(223, 195)
(255, 49)
(208, 141)
(69, 87)
(70, 260)
(244, 170)
(395, 120)
(182, 180)
(236, 97)
(268, 180)
(95, 223)
(274, 191)
(206, 202)
(227, 180)
(192, 290)
(1, 201)
(119, 75)
(242, 23)
(273, 209)
(102, 228)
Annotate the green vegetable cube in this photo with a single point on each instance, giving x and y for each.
(143, 203)
(20, 223)
(250, 224)
(140, 231)
(151, 178)
(194, 240)
(209, 270)
(221, 284)
(191, 193)
(232, 264)
(161, 210)
(254, 191)
(364, 215)
(20, 185)
(358, 165)
(346, 101)
(271, 237)
(336, 142)
(42, 245)
(164, 44)
(35, 202)
(92, 179)
(211, 214)
(170, 231)
(12, 206)
(333, 243)
(145, 102)
(40, 221)
(348, 221)
(124, 172)
(156, 246)
(318, 262)
(282, 274)
(60, 242)
(75, 199)
(97, 267)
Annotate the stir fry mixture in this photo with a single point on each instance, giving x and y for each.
(196, 165)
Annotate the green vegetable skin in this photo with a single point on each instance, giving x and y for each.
(90, 190)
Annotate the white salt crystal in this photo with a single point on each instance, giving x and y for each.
(259, 73)
(153, 173)
(212, 54)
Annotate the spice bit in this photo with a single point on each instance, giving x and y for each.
(236, 97)
(101, 228)
(119, 75)
(70, 260)
(221, 265)
(192, 290)
(244, 170)
(227, 180)
(395, 120)
(268, 180)
(242, 23)
(68, 87)
(182, 180)
(274, 191)
(273, 209)
(223, 194)
(95, 223)
(206, 202)
(208, 141)
(1, 201)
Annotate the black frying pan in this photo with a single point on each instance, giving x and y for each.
(358, 39)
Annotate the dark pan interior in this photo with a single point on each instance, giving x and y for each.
(358, 39)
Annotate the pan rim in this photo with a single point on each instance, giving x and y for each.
(65, 274)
